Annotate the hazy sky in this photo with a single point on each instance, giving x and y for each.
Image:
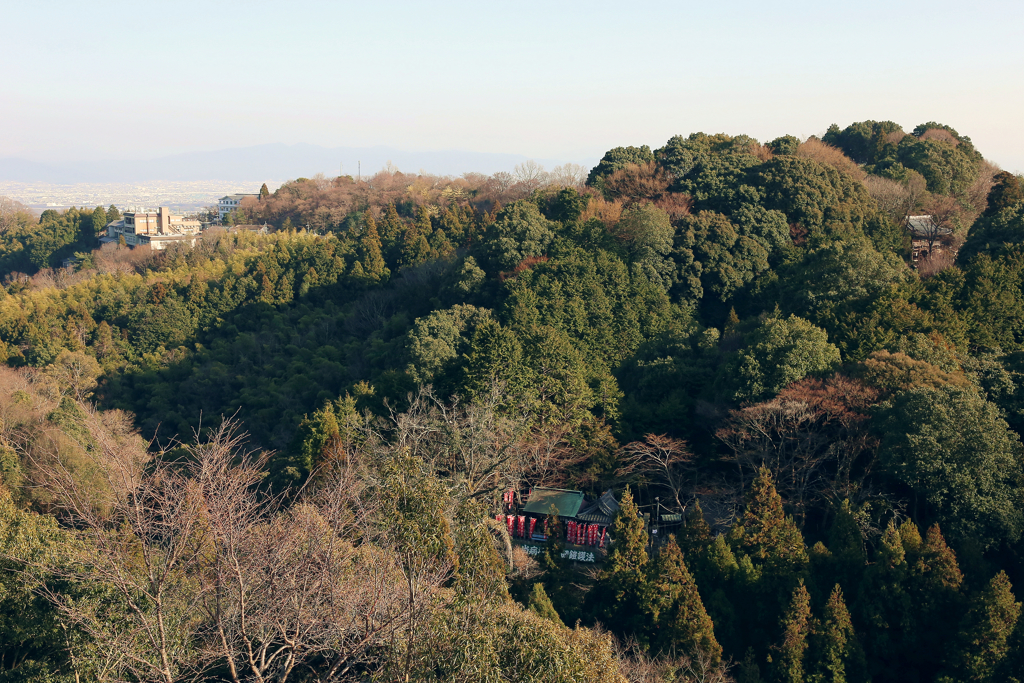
(553, 80)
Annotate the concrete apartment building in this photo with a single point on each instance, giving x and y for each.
(155, 229)
(229, 203)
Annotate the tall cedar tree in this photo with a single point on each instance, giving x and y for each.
(540, 604)
(839, 656)
(766, 533)
(625, 574)
(985, 634)
(934, 581)
(788, 665)
(682, 623)
(772, 558)
(696, 534)
(886, 608)
(372, 264)
(557, 572)
(847, 545)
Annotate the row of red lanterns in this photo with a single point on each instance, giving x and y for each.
(577, 533)
(586, 534)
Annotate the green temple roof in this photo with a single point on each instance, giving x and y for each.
(566, 502)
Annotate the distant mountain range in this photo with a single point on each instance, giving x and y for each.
(271, 161)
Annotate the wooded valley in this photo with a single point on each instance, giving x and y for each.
(288, 456)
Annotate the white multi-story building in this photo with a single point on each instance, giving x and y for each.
(226, 205)
(155, 229)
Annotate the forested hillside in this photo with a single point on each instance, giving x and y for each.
(280, 457)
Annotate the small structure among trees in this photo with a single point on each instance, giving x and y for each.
(929, 236)
(561, 516)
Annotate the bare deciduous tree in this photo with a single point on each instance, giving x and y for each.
(810, 437)
(530, 175)
(478, 448)
(893, 197)
(207, 570)
(568, 175)
(144, 548)
(639, 666)
(12, 214)
(660, 461)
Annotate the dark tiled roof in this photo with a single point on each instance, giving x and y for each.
(601, 511)
(608, 504)
(594, 518)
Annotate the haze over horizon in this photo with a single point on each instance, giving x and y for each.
(264, 162)
(113, 80)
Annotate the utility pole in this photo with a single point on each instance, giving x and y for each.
(657, 514)
(359, 176)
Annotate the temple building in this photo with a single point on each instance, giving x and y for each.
(584, 524)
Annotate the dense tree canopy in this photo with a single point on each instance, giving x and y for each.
(813, 438)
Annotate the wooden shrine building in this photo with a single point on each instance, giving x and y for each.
(584, 524)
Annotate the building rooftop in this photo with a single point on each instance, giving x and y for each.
(567, 502)
(925, 226)
(601, 511)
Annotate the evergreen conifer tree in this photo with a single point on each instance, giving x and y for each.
(938, 563)
(369, 223)
(910, 538)
(391, 226)
(839, 656)
(788, 664)
(314, 436)
(625, 574)
(99, 221)
(715, 570)
(372, 263)
(440, 245)
(847, 546)
(415, 247)
(696, 534)
(985, 635)
(749, 671)
(891, 552)
(933, 587)
(540, 604)
(683, 624)
(424, 225)
(264, 192)
(765, 532)
(628, 558)
(886, 609)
